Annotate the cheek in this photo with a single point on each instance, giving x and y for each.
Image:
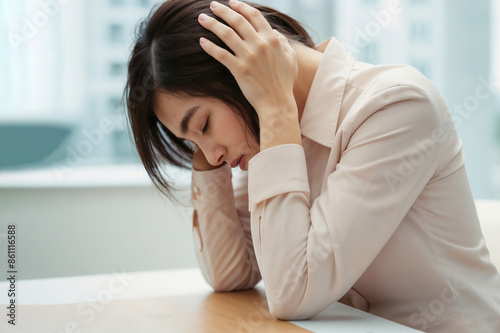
(232, 131)
(228, 127)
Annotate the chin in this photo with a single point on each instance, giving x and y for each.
(247, 160)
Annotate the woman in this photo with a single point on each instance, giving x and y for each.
(356, 189)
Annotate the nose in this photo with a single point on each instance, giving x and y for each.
(214, 154)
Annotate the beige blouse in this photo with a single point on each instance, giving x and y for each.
(373, 210)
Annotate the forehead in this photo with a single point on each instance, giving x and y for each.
(168, 105)
(171, 108)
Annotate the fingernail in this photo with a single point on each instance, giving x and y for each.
(214, 4)
(233, 2)
(202, 40)
(203, 17)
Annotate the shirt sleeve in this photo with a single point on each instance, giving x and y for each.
(221, 230)
(311, 254)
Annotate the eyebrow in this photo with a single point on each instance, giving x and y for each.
(187, 118)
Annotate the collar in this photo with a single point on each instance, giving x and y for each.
(322, 108)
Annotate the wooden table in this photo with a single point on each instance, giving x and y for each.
(162, 301)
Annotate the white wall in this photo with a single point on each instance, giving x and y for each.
(92, 229)
(489, 217)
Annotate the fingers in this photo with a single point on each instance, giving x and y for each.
(227, 35)
(243, 27)
(252, 14)
(235, 20)
(248, 34)
(244, 22)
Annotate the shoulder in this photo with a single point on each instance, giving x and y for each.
(402, 90)
(382, 85)
(377, 78)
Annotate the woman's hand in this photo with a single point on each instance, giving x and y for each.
(264, 65)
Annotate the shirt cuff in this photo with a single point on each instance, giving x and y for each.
(211, 188)
(277, 170)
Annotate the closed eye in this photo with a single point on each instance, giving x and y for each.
(206, 126)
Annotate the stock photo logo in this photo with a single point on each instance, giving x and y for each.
(373, 28)
(30, 26)
(89, 310)
(75, 154)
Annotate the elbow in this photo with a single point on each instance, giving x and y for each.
(294, 307)
(226, 289)
(221, 290)
(225, 286)
(287, 311)
(221, 286)
(284, 313)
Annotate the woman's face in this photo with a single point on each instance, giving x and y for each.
(224, 137)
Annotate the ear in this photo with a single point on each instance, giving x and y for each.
(321, 47)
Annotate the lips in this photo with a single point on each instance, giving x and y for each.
(235, 162)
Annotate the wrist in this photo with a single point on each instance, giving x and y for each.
(277, 114)
(280, 126)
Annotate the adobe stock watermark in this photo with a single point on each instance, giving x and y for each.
(430, 313)
(424, 148)
(483, 91)
(373, 28)
(88, 310)
(31, 26)
(75, 154)
(254, 319)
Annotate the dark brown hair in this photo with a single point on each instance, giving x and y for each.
(167, 57)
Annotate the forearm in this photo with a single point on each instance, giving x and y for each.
(222, 252)
(220, 243)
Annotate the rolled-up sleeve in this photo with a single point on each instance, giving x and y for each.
(311, 254)
(223, 246)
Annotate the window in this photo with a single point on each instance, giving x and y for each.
(68, 76)
(419, 31)
(422, 65)
(116, 33)
(117, 69)
(115, 104)
(371, 52)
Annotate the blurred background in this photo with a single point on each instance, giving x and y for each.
(70, 178)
